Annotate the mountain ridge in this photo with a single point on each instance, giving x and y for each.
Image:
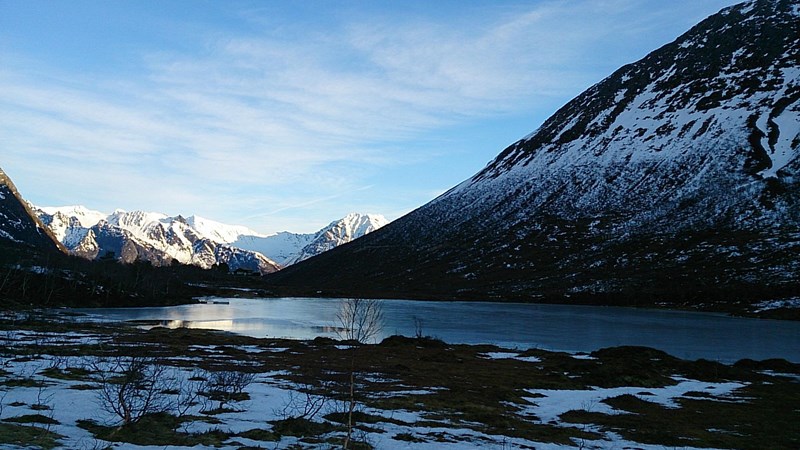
(161, 239)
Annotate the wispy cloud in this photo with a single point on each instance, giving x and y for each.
(240, 119)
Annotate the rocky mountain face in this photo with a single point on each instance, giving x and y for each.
(675, 179)
(18, 223)
(141, 236)
(161, 239)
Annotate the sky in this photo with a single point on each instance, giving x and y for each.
(284, 115)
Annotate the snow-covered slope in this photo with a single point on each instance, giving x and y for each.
(674, 178)
(282, 247)
(161, 239)
(219, 232)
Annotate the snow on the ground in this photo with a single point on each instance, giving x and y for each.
(557, 402)
(776, 304)
(66, 405)
(583, 356)
(272, 397)
(16, 338)
(510, 355)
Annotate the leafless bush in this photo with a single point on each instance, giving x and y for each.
(3, 395)
(188, 391)
(360, 319)
(227, 386)
(340, 412)
(132, 387)
(58, 362)
(303, 404)
(44, 403)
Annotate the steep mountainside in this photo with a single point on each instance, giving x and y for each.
(160, 239)
(18, 222)
(674, 179)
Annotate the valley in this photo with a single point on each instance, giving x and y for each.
(626, 276)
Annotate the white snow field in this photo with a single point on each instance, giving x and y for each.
(26, 389)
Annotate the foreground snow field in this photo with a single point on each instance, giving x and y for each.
(411, 393)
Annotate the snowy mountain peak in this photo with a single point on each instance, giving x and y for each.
(356, 224)
(141, 235)
(136, 219)
(342, 231)
(85, 216)
(652, 132)
(289, 248)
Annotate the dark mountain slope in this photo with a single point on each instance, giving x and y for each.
(19, 223)
(674, 179)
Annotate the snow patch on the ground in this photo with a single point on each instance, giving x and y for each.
(510, 355)
(767, 305)
(554, 403)
(583, 356)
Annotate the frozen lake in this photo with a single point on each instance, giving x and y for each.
(551, 327)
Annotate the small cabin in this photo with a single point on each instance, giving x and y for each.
(241, 271)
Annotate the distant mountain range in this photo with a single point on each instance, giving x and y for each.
(37, 270)
(675, 179)
(162, 239)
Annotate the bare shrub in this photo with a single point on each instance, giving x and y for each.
(360, 319)
(418, 325)
(132, 387)
(227, 386)
(188, 391)
(303, 404)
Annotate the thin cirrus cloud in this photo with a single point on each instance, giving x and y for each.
(247, 125)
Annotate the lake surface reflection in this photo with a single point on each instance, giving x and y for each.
(552, 327)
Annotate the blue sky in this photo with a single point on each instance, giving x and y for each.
(286, 115)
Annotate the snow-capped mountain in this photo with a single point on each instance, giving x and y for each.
(282, 247)
(674, 179)
(153, 237)
(161, 239)
(18, 223)
(339, 232)
(289, 248)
